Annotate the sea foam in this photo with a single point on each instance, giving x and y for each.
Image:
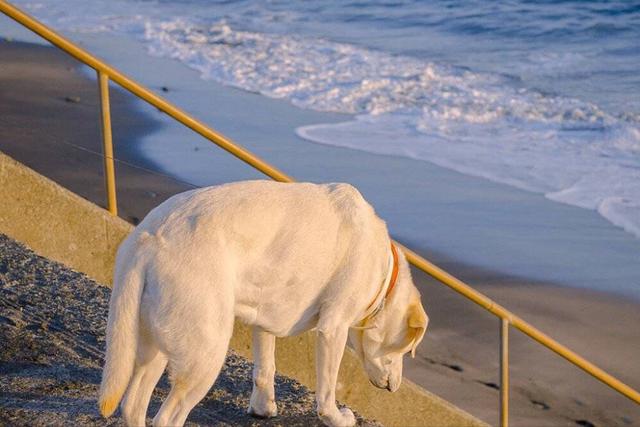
(484, 124)
(480, 124)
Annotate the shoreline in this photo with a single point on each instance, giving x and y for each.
(38, 83)
(446, 346)
(470, 220)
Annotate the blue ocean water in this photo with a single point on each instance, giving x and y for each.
(540, 95)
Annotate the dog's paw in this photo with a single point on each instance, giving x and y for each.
(348, 419)
(262, 406)
(338, 418)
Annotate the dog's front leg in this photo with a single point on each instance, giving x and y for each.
(263, 401)
(329, 351)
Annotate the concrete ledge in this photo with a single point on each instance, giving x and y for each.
(57, 223)
(62, 226)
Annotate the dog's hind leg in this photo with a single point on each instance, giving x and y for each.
(193, 370)
(150, 364)
(263, 400)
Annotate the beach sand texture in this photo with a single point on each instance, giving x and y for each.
(50, 124)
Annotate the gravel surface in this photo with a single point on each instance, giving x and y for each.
(52, 324)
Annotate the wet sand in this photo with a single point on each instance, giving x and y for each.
(43, 122)
(459, 359)
(49, 120)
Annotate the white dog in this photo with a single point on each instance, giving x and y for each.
(284, 258)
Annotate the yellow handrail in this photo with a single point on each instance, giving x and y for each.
(495, 308)
(106, 72)
(504, 372)
(107, 146)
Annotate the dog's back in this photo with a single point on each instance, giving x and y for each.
(268, 253)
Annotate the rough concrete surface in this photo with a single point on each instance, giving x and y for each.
(52, 324)
(56, 222)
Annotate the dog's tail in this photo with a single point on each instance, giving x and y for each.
(122, 326)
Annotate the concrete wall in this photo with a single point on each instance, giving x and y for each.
(67, 228)
(57, 223)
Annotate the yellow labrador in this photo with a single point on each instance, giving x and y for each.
(284, 258)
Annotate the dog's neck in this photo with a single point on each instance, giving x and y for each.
(388, 285)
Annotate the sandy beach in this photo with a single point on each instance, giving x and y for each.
(459, 358)
(48, 120)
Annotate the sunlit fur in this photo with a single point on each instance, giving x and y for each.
(283, 258)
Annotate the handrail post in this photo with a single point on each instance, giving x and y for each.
(504, 372)
(107, 145)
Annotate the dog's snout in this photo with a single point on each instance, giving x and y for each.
(385, 385)
(376, 384)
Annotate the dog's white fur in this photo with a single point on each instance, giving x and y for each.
(284, 258)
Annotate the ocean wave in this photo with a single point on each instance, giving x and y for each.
(591, 169)
(480, 124)
(328, 76)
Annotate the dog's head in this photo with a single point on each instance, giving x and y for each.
(395, 331)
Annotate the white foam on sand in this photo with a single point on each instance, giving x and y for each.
(580, 167)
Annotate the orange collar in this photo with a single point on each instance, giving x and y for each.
(392, 283)
(394, 272)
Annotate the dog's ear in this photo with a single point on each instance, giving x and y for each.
(418, 321)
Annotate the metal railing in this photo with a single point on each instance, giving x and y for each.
(106, 72)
